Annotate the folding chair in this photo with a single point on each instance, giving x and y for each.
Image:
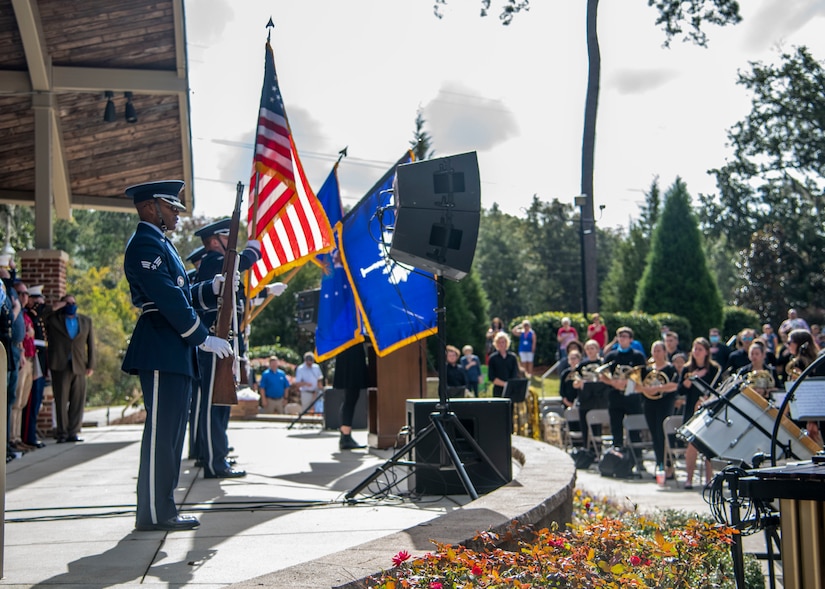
(597, 417)
(673, 453)
(573, 437)
(637, 436)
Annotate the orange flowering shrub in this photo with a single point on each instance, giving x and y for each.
(605, 547)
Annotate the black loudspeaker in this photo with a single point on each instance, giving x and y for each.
(438, 209)
(334, 399)
(306, 308)
(487, 420)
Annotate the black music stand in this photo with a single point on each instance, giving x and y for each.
(812, 367)
(516, 390)
(306, 410)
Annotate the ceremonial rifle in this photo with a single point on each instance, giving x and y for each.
(224, 385)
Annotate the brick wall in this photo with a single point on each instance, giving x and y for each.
(46, 267)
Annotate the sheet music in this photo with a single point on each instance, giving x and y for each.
(808, 403)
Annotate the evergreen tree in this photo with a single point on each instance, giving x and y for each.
(550, 236)
(676, 278)
(630, 258)
(626, 269)
(500, 264)
(421, 143)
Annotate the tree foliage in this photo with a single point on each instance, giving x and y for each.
(676, 278)
(95, 238)
(103, 294)
(630, 256)
(776, 179)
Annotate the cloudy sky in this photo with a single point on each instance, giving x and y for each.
(355, 73)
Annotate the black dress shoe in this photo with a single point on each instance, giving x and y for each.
(61, 440)
(229, 473)
(176, 524)
(74, 439)
(39, 444)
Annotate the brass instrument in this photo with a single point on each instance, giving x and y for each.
(589, 373)
(655, 378)
(553, 425)
(792, 371)
(605, 369)
(761, 379)
(527, 415)
(535, 413)
(626, 372)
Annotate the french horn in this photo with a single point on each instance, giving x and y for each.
(654, 378)
(589, 372)
(761, 379)
(792, 370)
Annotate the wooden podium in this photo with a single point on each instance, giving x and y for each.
(398, 376)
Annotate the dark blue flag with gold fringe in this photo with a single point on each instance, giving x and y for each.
(397, 302)
(339, 325)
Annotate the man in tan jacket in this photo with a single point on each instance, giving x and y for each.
(71, 360)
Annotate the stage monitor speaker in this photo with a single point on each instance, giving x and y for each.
(438, 210)
(487, 420)
(306, 308)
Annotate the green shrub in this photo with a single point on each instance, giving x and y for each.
(680, 325)
(739, 318)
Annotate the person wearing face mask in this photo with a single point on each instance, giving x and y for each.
(719, 351)
(71, 361)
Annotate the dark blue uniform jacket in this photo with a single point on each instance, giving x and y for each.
(168, 330)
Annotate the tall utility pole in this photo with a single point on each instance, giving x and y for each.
(588, 225)
(587, 236)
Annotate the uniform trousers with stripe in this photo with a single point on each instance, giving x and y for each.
(166, 397)
(194, 416)
(213, 421)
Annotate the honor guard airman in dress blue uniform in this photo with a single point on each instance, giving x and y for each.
(213, 420)
(162, 350)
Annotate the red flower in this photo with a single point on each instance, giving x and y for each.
(400, 557)
(476, 570)
(635, 560)
(435, 585)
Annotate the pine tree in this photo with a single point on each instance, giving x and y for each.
(676, 278)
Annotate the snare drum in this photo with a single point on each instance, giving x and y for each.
(739, 425)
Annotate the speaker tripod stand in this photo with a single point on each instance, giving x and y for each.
(439, 422)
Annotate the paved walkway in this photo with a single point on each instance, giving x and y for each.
(70, 510)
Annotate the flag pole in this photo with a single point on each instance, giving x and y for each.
(247, 319)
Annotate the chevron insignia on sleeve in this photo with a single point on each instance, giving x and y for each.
(153, 265)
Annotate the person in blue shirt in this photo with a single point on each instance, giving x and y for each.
(526, 346)
(162, 350)
(472, 368)
(272, 388)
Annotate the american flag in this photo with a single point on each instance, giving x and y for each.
(284, 213)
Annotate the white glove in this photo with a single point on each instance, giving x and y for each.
(254, 244)
(219, 347)
(276, 289)
(217, 283)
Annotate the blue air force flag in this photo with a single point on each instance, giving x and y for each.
(339, 325)
(397, 302)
